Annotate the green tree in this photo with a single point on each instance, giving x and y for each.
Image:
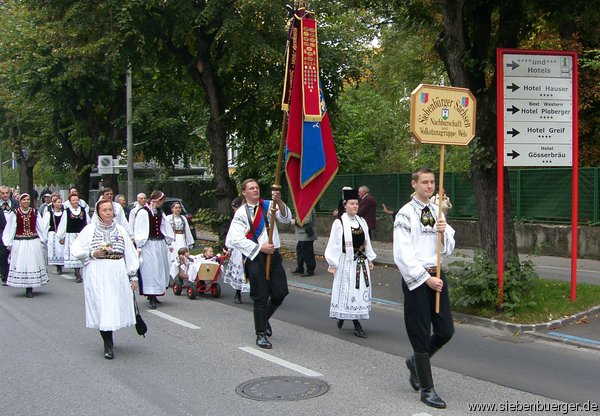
(468, 35)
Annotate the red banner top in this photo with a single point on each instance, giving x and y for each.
(310, 70)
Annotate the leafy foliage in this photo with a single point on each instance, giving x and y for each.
(475, 284)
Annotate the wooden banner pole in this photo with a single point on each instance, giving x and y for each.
(441, 234)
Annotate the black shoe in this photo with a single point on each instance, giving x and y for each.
(4, 283)
(268, 330)
(58, 269)
(29, 292)
(152, 303)
(428, 394)
(431, 399)
(263, 342)
(359, 332)
(307, 274)
(238, 297)
(108, 352)
(413, 379)
(297, 271)
(340, 323)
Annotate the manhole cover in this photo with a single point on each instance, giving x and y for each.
(282, 388)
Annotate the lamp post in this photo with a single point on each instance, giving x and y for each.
(130, 190)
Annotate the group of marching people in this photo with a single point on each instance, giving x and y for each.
(109, 253)
(117, 255)
(349, 254)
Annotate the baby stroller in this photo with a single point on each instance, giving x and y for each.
(205, 281)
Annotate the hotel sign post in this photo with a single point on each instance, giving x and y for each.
(537, 126)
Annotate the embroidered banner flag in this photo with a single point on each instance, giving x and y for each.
(311, 161)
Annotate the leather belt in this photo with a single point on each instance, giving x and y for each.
(431, 270)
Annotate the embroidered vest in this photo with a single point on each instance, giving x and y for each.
(26, 223)
(54, 221)
(155, 222)
(75, 223)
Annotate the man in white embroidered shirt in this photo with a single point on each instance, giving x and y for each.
(417, 227)
(248, 233)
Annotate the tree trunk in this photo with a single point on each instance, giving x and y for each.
(26, 176)
(112, 182)
(205, 75)
(454, 49)
(83, 182)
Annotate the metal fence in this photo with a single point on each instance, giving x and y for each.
(538, 195)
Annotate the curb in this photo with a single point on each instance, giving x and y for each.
(532, 330)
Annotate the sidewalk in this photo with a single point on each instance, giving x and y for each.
(582, 329)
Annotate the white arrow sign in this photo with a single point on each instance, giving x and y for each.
(538, 66)
(537, 155)
(525, 132)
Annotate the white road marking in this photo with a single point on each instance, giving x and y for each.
(173, 319)
(568, 269)
(67, 276)
(298, 368)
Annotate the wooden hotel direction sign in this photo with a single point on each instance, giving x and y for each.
(442, 115)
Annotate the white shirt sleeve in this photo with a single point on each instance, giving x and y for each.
(141, 228)
(333, 250)
(413, 272)
(10, 229)
(236, 236)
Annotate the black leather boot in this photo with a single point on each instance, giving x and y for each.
(108, 344)
(428, 394)
(152, 302)
(29, 292)
(238, 297)
(59, 269)
(358, 330)
(260, 322)
(413, 378)
(271, 308)
(340, 323)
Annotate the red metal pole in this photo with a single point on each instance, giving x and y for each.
(500, 172)
(575, 186)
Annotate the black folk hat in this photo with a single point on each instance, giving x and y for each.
(350, 194)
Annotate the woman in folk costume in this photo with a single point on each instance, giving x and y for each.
(50, 222)
(350, 256)
(181, 229)
(110, 266)
(23, 236)
(153, 237)
(234, 274)
(76, 218)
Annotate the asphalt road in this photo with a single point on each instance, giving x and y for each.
(198, 351)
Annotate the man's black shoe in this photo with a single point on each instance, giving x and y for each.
(263, 342)
(340, 323)
(298, 271)
(152, 303)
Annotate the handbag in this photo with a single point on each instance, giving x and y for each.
(140, 325)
